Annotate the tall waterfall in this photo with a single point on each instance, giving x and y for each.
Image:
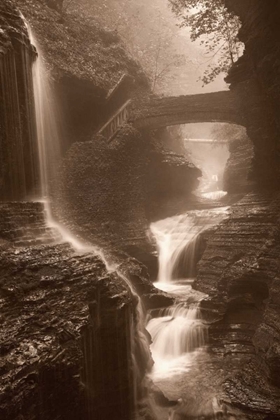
(177, 240)
(48, 136)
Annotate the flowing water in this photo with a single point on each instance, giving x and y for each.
(48, 138)
(183, 369)
(179, 333)
(178, 242)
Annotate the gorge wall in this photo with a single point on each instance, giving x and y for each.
(19, 171)
(237, 173)
(240, 266)
(62, 313)
(255, 79)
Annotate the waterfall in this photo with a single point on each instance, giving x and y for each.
(48, 136)
(177, 331)
(48, 128)
(178, 242)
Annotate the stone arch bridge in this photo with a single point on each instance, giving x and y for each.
(161, 112)
(208, 107)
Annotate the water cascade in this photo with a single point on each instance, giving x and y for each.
(48, 137)
(177, 330)
(179, 334)
(177, 240)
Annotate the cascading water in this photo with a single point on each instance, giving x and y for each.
(177, 240)
(178, 330)
(179, 334)
(48, 138)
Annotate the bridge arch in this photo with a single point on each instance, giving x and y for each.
(219, 107)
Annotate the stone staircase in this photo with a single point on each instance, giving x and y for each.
(24, 224)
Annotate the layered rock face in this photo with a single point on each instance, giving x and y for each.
(238, 167)
(240, 271)
(255, 79)
(68, 328)
(19, 172)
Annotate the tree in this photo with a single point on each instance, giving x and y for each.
(216, 28)
(149, 32)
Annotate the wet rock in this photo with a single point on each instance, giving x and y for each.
(238, 167)
(58, 305)
(254, 79)
(239, 270)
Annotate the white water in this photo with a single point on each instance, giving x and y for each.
(48, 138)
(49, 141)
(214, 195)
(177, 240)
(176, 334)
(179, 334)
(179, 330)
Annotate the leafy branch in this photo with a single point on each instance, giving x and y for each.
(216, 28)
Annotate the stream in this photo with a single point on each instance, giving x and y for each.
(184, 370)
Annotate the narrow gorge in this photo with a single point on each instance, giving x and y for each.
(139, 214)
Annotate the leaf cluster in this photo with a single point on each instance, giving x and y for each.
(217, 30)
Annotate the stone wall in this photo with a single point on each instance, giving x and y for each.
(208, 107)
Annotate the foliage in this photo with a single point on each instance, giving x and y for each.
(216, 28)
(148, 31)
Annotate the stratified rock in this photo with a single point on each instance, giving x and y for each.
(71, 342)
(19, 171)
(240, 272)
(238, 167)
(255, 79)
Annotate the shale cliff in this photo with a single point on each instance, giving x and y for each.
(237, 173)
(239, 269)
(255, 77)
(19, 171)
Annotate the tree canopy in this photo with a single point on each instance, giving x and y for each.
(216, 28)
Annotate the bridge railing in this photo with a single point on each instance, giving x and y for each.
(110, 129)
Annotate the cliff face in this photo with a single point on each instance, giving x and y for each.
(240, 271)
(255, 78)
(68, 328)
(238, 167)
(19, 172)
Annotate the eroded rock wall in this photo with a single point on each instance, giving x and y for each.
(255, 79)
(240, 272)
(19, 171)
(69, 329)
(237, 173)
